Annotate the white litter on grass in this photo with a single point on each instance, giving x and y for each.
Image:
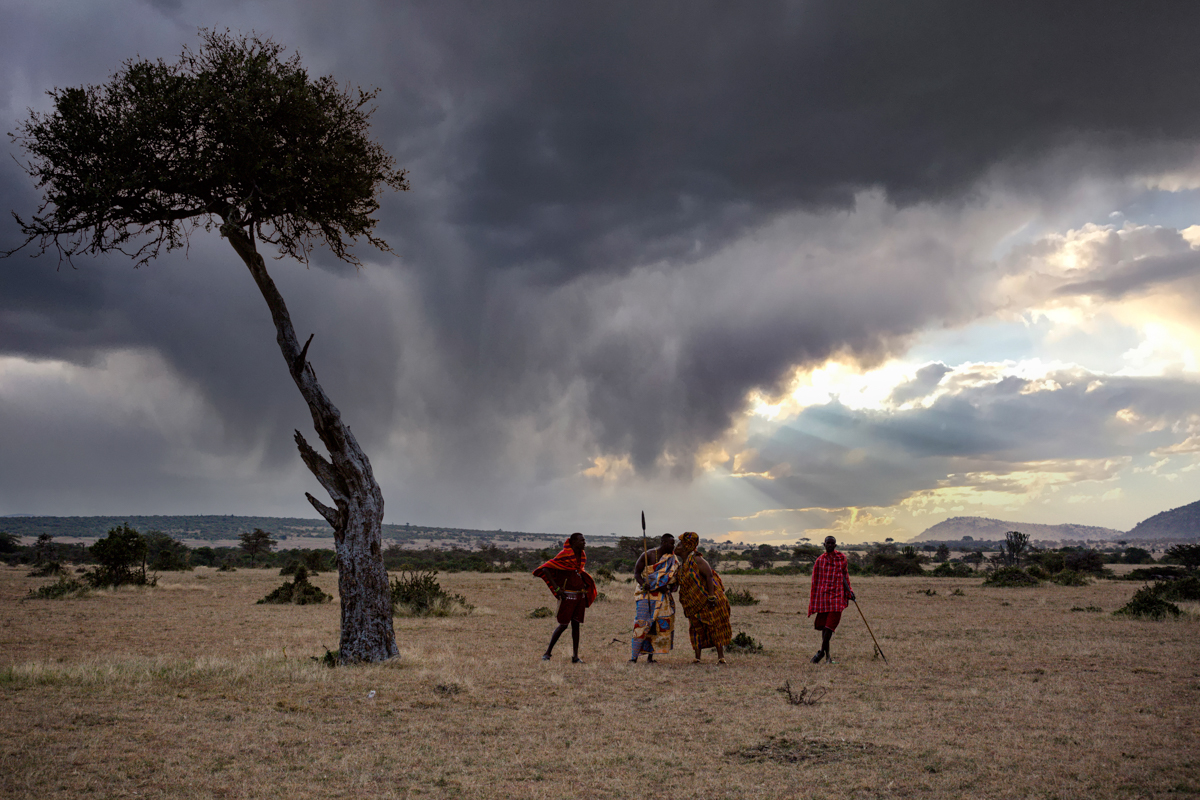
(371, 695)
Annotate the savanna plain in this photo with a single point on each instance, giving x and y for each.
(190, 689)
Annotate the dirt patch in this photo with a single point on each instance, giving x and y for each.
(812, 751)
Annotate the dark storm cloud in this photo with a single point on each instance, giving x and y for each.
(1137, 276)
(623, 216)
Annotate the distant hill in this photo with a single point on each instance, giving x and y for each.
(955, 528)
(1178, 523)
(213, 527)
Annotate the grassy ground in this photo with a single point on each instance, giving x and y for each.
(191, 690)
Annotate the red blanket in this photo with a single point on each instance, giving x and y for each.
(568, 561)
(830, 588)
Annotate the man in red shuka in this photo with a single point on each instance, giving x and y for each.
(574, 589)
(829, 595)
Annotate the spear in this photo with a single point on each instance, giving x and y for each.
(873, 639)
(645, 547)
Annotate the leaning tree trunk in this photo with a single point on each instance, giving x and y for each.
(367, 633)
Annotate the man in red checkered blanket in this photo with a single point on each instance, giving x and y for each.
(829, 595)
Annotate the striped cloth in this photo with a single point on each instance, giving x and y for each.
(654, 611)
(830, 588)
(707, 627)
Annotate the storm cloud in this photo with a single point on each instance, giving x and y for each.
(625, 219)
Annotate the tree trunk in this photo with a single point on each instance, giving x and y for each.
(367, 633)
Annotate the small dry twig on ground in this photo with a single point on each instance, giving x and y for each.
(802, 698)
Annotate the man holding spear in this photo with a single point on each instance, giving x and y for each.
(829, 595)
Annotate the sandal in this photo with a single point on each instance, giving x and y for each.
(722, 661)
(696, 661)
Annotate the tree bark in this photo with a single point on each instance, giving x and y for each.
(367, 633)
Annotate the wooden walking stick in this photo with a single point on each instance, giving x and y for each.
(873, 639)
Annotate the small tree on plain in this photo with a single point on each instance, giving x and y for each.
(233, 137)
(44, 549)
(256, 542)
(1015, 543)
(942, 554)
(121, 556)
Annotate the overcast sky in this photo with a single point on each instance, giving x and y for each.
(764, 270)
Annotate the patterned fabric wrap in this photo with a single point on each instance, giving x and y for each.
(707, 626)
(830, 589)
(568, 561)
(654, 611)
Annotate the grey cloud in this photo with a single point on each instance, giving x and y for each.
(927, 379)
(624, 217)
(1137, 276)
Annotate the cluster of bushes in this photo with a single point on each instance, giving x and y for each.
(1154, 601)
(297, 591)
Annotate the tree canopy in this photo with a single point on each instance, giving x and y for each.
(231, 133)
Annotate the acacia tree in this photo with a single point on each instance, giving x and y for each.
(259, 541)
(234, 136)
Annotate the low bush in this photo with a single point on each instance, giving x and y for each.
(1147, 603)
(1038, 572)
(1184, 589)
(64, 587)
(1069, 577)
(952, 569)
(744, 643)
(740, 598)
(1163, 572)
(47, 569)
(418, 594)
(540, 613)
(297, 592)
(1010, 577)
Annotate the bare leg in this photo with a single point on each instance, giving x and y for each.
(574, 640)
(826, 636)
(554, 640)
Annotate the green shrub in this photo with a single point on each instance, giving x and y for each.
(952, 569)
(1083, 560)
(604, 575)
(418, 594)
(1090, 609)
(46, 570)
(167, 554)
(1010, 576)
(1069, 577)
(1037, 572)
(741, 598)
(62, 588)
(1184, 589)
(1146, 603)
(1159, 573)
(744, 643)
(298, 592)
(122, 559)
(541, 612)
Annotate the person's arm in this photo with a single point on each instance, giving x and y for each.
(637, 570)
(846, 581)
(710, 585)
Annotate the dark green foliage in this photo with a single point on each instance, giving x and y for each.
(762, 557)
(44, 549)
(256, 542)
(741, 598)
(807, 553)
(298, 591)
(604, 575)
(744, 643)
(1184, 589)
(885, 560)
(1010, 576)
(418, 594)
(9, 543)
(47, 569)
(229, 133)
(315, 561)
(226, 567)
(1051, 561)
(121, 557)
(1186, 554)
(330, 659)
(1137, 555)
(1071, 578)
(1147, 603)
(1015, 544)
(1082, 559)
(64, 587)
(1037, 572)
(942, 554)
(955, 569)
(1156, 573)
(541, 612)
(166, 554)
(1089, 609)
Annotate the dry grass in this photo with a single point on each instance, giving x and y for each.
(191, 690)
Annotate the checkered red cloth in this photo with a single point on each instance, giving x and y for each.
(830, 584)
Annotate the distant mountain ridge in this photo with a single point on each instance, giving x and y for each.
(1178, 523)
(955, 528)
